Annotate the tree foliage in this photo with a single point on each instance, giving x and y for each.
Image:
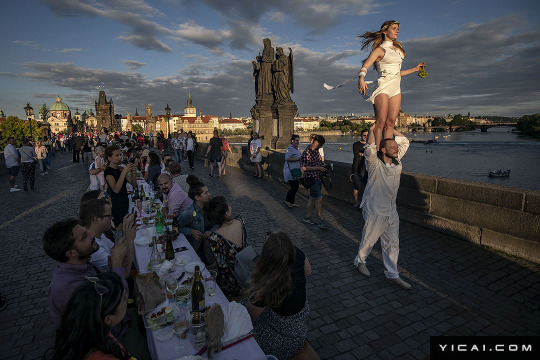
(19, 129)
(345, 126)
(438, 121)
(240, 131)
(462, 121)
(530, 125)
(138, 128)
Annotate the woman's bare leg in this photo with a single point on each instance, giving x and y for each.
(381, 114)
(394, 104)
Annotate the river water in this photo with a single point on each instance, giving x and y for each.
(467, 155)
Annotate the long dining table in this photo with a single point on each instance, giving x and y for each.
(247, 349)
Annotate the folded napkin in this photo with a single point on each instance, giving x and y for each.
(237, 321)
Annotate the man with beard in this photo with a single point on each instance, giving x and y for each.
(379, 204)
(174, 197)
(72, 245)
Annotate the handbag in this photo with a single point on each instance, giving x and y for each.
(307, 182)
(246, 259)
(296, 173)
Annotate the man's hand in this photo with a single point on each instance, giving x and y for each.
(197, 235)
(118, 254)
(129, 227)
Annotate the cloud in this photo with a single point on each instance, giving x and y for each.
(133, 65)
(469, 70)
(71, 50)
(7, 74)
(147, 42)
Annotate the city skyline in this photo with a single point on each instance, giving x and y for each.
(480, 55)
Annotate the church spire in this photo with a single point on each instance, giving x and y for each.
(189, 100)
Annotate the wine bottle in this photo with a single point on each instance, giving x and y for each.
(169, 250)
(142, 194)
(176, 224)
(197, 292)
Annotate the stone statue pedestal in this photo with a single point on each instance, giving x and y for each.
(262, 112)
(285, 111)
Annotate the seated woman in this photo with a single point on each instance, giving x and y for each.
(277, 299)
(225, 242)
(194, 222)
(96, 306)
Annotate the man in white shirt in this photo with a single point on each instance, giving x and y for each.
(379, 204)
(96, 216)
(11, 156)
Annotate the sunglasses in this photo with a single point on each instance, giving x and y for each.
(100, 288)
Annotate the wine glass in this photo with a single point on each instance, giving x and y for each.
(171, 285)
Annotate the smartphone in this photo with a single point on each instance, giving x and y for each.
(183, 248)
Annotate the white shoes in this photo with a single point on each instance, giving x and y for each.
(14, 189)
(362, 268)
(402, 284)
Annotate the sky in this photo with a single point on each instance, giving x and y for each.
(482, 56)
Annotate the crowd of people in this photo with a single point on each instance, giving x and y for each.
(91, 289)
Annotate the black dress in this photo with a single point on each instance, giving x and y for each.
(120, 201)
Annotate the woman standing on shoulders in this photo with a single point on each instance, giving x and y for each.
(386, 56)
(116, 178)
(277, 300)
(292, 165)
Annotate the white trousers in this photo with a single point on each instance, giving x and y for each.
(386, 228)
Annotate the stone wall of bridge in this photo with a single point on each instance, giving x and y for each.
(503, 218)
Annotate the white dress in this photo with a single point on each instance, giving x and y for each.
(388, 69)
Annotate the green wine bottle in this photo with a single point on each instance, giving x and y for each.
(197, 292)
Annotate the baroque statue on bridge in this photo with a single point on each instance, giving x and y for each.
(282, 81)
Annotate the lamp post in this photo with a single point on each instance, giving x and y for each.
(168, 114)
(29, 112)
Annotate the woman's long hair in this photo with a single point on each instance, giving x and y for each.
(271, 280)
(82, 328)
(377, 37)
(154, 159)
(109, 152)
(217, 210)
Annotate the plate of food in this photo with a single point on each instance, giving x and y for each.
(190, 267)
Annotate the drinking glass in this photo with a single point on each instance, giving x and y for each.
(210, 283)
(171, 285)
(139, 207)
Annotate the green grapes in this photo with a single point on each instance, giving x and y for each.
(423, 73)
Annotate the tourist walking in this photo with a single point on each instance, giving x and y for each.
(41, 153)
(87, 151)
(358, 169)
(379, 204)
(225, 150)
(28, 164)
(313, 167)
(213, 153)
(386, 55)
(50, 148)
(190, 149)
(178, 147)
(12, 159)
(292, 169)
(256, 157)
(76, 145)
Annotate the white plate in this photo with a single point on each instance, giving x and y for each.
(143, 241)
(183, 259)
(190, 267)
(164, 334)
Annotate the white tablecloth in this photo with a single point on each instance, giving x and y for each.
(248, 349)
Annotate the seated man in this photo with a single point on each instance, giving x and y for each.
(164, 159)
(176, 169)
(174, 197)
(95, 216)
(72, 245)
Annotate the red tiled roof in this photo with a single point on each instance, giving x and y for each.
(231, 121)
(2, 120)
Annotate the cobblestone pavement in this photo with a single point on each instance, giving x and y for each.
(459, 288)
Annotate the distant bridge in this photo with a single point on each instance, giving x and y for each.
(451, 128)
